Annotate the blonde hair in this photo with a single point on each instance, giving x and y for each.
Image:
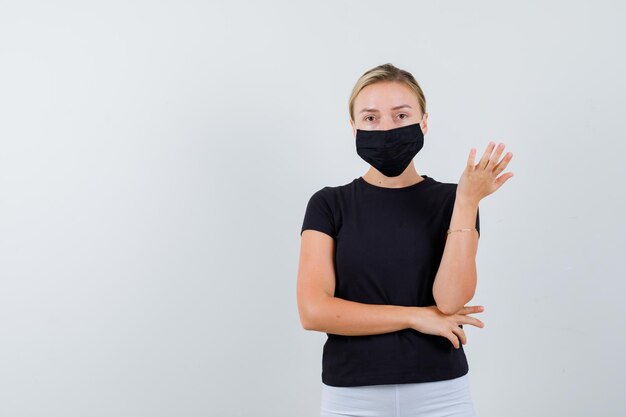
(386, 72)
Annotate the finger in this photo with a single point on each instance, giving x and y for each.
(502, 179)
(503, 163)
(460, 333)
(493, 160)
(472, 321)
(470, 158)
(452, 337)
(485, 158)
(472, 309)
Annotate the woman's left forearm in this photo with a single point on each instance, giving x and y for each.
(455, 282)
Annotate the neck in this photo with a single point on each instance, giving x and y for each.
(409, 177)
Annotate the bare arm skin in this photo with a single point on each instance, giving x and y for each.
(320, 310)
(455, 282)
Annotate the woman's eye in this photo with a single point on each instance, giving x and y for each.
(403, 114)
(367, 118)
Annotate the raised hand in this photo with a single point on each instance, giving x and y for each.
(481, 179)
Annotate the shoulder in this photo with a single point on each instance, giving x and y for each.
(330, 193)
(322, 210)
(326, 200)
(443, 191)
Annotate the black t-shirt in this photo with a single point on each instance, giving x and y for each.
(389, 244)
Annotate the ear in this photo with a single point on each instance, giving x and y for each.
(424, 123)
(353, 128)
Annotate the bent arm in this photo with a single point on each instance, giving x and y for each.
(320, 310)
(455, 282)
(344, 317)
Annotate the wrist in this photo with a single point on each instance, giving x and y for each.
(413, 316)
(466, 202)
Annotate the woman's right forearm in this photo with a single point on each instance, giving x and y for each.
(350, 318)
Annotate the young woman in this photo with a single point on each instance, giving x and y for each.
(387, 264)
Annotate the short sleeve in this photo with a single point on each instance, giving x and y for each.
(319, 214)
(449, 207)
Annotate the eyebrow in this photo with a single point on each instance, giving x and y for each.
(394, 108)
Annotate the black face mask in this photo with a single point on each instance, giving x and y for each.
(390, 151)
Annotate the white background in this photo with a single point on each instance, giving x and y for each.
(155, 163)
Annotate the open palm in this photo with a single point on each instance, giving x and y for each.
(481, 179)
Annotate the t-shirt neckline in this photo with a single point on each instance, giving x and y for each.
(397, 189)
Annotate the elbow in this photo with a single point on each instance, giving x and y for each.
(305, 321)
(451, 306)
(312, 311)
(448, 309)
(307, 318)
(445, 303)
(307, 324)
(451, 301)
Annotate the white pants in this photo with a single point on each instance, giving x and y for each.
(448, 398)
